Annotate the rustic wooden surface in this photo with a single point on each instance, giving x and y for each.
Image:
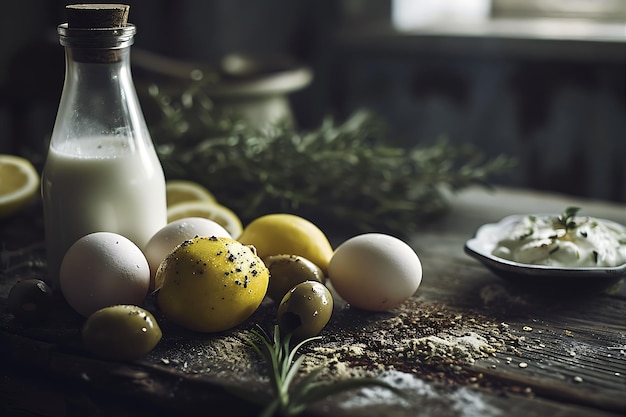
(558, 351)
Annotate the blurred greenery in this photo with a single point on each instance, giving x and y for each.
(342, 174)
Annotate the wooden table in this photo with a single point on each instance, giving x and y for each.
(467, 344)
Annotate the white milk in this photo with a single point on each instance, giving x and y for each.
(99, 184)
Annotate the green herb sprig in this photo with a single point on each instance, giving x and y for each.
(344, 174)
(290, 395)
(566, 219)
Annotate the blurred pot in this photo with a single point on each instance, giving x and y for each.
(253, 87)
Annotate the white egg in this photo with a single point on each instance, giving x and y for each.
(375, 271)
(173, 234)
(103, 269)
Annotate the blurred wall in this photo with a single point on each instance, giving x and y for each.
(561, 114)
(558, 107)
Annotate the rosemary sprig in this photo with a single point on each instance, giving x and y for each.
(291, 397)
(347, 174)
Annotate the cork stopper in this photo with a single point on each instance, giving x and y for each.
(85, 16)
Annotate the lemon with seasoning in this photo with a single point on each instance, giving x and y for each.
(173, 234)
(211, 284)
(208, 210)
(179, 191)
(19, 183)
(288, 234)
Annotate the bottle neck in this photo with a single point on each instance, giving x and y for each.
(114, 58)
(99, 97)
(103, 78)
(97, 45)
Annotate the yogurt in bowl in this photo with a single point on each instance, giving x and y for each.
(540, 249)
(565, 241)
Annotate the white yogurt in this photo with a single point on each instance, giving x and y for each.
(544, 240)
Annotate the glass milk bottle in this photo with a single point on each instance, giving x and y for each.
(102, 172)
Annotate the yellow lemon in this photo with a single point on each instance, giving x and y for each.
(178, 191)
(211, 284)
(288, 234)
(219, 213)
(19, 182)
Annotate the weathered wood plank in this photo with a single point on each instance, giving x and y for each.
(455, 347)
(573, 343)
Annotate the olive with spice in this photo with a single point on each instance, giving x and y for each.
(305, 310)
(286, 271)
(122, 332)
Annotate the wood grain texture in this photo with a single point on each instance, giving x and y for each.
(556, 351)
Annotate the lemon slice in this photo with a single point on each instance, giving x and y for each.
(179, 191)
(19, 182)
(209, 210)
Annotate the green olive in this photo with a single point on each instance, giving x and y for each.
(305, 310)
(30, 301)
(286, 271)
(123, 332)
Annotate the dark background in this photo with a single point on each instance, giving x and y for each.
(556, 102)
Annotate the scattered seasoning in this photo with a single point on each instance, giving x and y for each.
(527, 329)
(428, 341)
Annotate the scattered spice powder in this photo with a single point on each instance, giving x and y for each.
(430, 341)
